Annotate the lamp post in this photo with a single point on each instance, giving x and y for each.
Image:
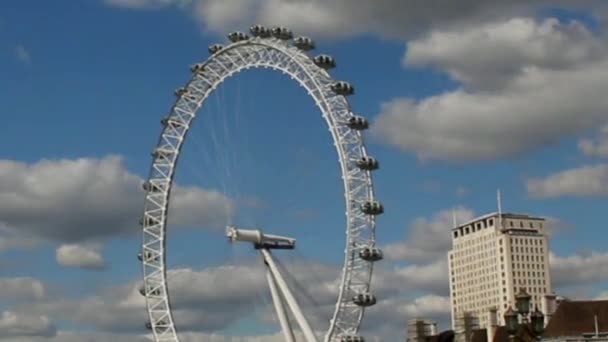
(536, 324)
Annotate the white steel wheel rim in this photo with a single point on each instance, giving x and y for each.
(360, 233)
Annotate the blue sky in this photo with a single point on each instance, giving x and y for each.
(92, 79)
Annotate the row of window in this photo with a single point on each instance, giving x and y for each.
(477, 226)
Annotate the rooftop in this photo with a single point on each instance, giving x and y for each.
(503, 216)
(575, 318)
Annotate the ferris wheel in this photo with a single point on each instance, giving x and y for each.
(276, 49)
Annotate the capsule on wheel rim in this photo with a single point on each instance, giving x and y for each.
(364, 299)
(198, 67)
(304, 43)
(215, 48)
(147, 222)
(372, 208)
(352, 338)
(324, 61)
(371, 254)
(160, 153)
(357, 122)
(149, 256)
(260, 31)
(174, 121)
(368, 163)
(149, 187)
(181, 91)
(281, 32)
(237, 36)
(343, 88)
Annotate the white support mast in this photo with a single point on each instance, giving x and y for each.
(279, 308)
(291, 300)
(499, 209)
(278, 286)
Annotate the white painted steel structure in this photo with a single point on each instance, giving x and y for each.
(273, 49)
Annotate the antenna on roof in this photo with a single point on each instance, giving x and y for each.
(454, 224)
(499, 209)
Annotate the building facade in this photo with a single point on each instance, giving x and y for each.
(492, 257)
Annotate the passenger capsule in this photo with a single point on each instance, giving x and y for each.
(161, 153)
(282, 33)
(352, 338)
(198, 67)
(260, 31)
(368, 163)
(343, 88)
(371, 254)
(174, 121)
(181, 91)
(148, 222)
(142, 291)
(364, 299)
(149, 256)
(358, 123)
(237, 36)
(304, 43)
(324, 61)
(215, 48)
(159, 324)
(149, 187)
(372, 208)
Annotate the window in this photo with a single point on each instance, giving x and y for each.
(531, 225)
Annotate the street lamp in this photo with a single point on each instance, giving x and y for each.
(522, 303)
(538, 322)
(511, 321)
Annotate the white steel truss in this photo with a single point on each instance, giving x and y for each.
(284, 56)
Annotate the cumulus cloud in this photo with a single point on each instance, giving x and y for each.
(19, 325)
(582, 268)
(428, 239)
(208, 300)
(84, 199)
(530, 100)
(491, 55)
(581, 181)
(142, 4)
(80, 256)
(23, 55)
(21, 288)
(597, 147)
(343, 18)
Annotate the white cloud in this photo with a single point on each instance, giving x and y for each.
(19, 325)
(582, 181)
(491, 55)
(432, 277)
(21, 288)
(81, 256)
(343, 18)
(426, 306)
(428, 239)
(595, 148)
(529, 102)
(11, 242)
(23, 55)
(582, 268)
(84, 199)
(141, 4)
